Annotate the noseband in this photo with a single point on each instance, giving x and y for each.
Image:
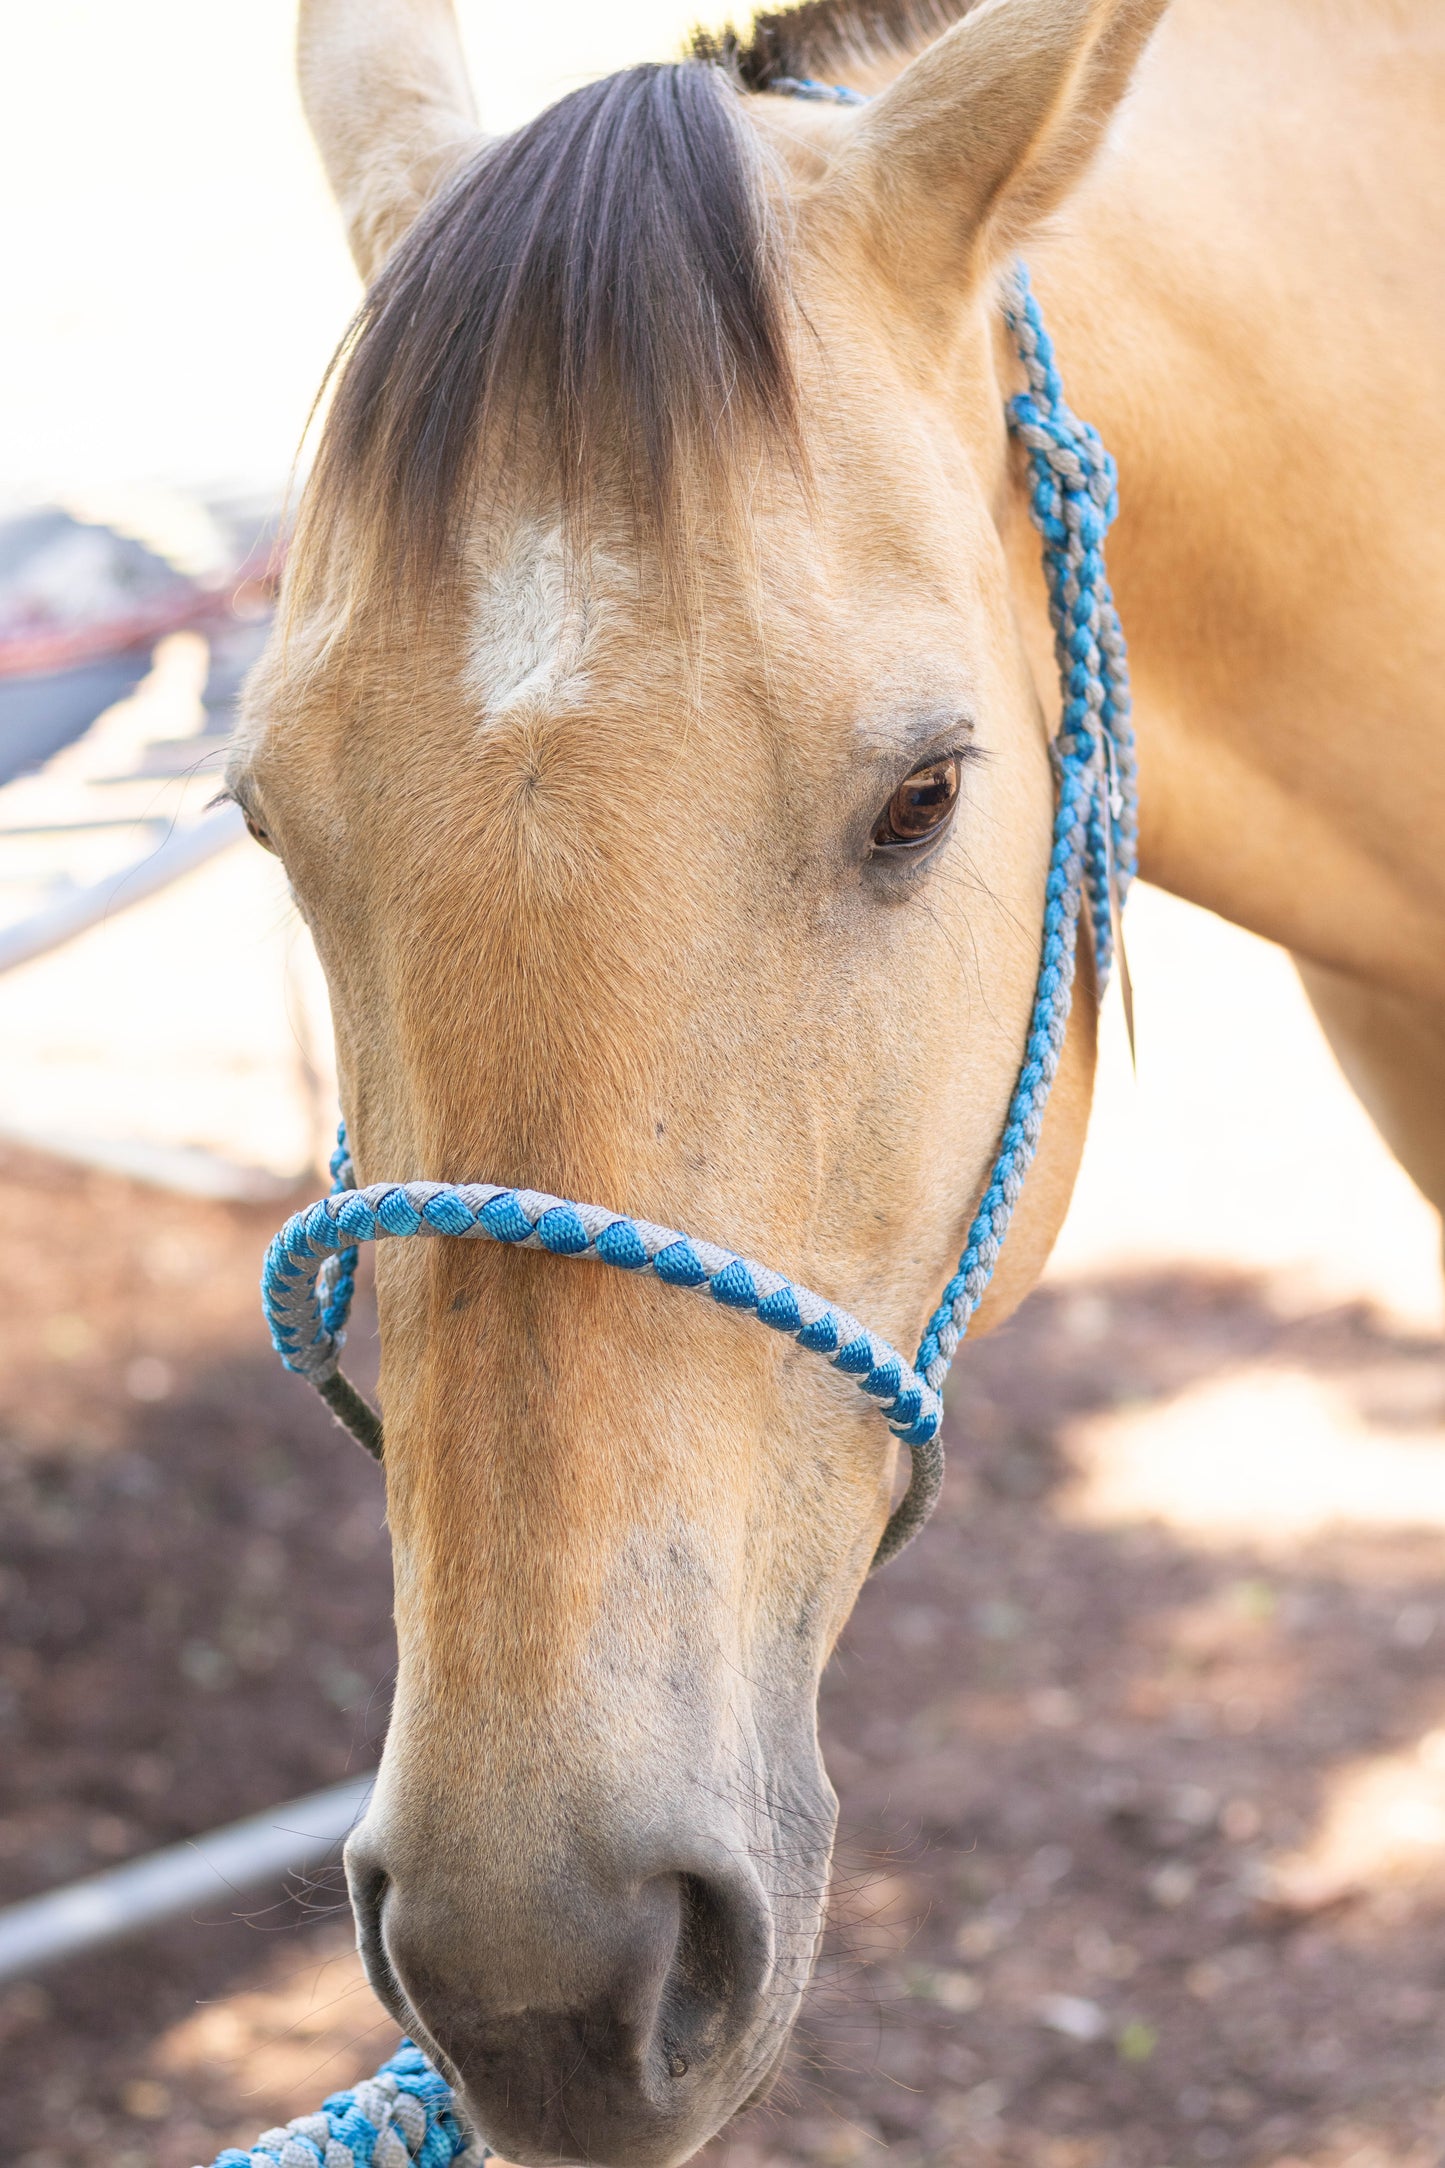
(310, 1267)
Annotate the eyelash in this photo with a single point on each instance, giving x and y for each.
(257, 832)
(900, 846)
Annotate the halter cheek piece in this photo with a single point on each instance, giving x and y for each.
(310, 1267)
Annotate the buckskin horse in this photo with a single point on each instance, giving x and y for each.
(658, 742)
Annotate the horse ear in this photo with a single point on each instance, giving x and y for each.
(985, 131)
(386, 96)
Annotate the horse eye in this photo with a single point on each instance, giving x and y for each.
(256, 831)
(921, 807)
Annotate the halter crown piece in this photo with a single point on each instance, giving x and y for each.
(310, 1267)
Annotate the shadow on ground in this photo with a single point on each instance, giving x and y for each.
(1143, 1834)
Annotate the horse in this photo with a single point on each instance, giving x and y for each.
(657, 737)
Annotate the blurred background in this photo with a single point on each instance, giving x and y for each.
(1141, 1752)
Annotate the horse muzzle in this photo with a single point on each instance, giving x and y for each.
(615, 2014)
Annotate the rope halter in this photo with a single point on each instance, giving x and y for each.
(310, 1267)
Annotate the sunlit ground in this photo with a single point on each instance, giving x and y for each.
(182, 284)
(301, 2032)
(1327, 1459)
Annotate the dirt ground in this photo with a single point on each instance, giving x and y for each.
(1143, 1813)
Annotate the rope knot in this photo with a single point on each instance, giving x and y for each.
(310, 1269)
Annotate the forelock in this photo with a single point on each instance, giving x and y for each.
(601, 295)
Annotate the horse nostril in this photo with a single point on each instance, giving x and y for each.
(368, 1885)
(602, 2024)
(720, 1960)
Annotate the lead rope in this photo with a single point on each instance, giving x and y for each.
(406, 2114)
(1073, 503)
(310, 1270)
(404, 2117)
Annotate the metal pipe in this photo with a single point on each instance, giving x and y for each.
(182, 852)
(145, 1892)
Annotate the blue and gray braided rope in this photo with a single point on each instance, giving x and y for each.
(307, 1320)
(405, 2114)
(404, 2117)
(310, 1267)
(1073, 503)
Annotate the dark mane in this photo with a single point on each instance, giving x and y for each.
(610, 273)
(819, 38)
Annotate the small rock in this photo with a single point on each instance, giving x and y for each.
(958, 1991)
(145, 2099)
(1173, 1885)
(1074, 2016)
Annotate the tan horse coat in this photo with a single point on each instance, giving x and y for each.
(601, 914)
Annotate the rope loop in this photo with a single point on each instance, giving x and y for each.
(310, 1272)
(306, 1310)
(404, 2117)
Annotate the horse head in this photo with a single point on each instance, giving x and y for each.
(652, 744)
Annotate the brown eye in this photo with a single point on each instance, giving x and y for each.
(921, 806)
(256, 831)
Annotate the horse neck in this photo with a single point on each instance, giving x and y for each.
(1246, 307)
